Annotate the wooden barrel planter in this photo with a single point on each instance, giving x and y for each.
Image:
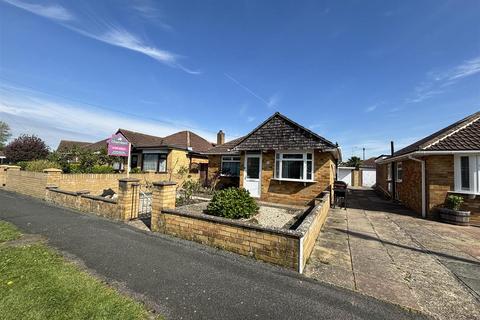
(461, 218)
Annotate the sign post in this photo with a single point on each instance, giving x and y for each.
(119, 146)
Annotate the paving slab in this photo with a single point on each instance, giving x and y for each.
(398, 257)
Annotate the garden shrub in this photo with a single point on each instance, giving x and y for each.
(453, 202)
(40, 165)
(234, 203)
(136, 170)
(189, 188)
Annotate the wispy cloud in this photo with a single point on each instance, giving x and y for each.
(112, 34)
(49, 117)
(54, 11)
(438, 82)
(371, 108)
(147, 9)
(271, 102)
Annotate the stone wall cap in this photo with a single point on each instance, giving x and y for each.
(52, 170)
(14, 167)
(129, 180)
(164, 183)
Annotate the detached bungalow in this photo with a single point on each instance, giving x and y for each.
(159, 154)
(279, 161)
(447, 162)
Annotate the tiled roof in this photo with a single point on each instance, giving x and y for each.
(138, 139)
(461, 135)
(66, 145)
(226, 148)
(369, 163)
(181, 140)
(281, 133)
(185, 139)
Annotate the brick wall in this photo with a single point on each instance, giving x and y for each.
(382, 175)
(410, 189)
(440, 179)
(274, 247)
(289, 192)
(288, 248)
(29, 183)
(84, 202)
(312, 225)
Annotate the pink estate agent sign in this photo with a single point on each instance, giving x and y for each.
(118, 146)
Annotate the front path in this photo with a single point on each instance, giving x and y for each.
(186, 280)
(383, 250)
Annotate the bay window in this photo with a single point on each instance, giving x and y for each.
(230, 166)
(467, 173)
(294, 166)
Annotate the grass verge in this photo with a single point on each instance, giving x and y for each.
(8, 232)
(37, 283)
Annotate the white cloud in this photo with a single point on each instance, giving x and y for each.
(250, 119)
(107, 33)
(54, 120)
(54, 11)
(437, 83)
(371, 108)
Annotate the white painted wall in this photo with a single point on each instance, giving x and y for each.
(345, 175)
(369, 177)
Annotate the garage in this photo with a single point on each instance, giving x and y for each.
(369, 177)
(345, 174)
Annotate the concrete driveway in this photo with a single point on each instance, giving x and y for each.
(383, 250)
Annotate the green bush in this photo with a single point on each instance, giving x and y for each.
(136, 170)
(102, 169)
(232, 203)
(40, 165)
(22, 164)
(453, 202)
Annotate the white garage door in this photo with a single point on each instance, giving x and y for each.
(369, 177)
(345, 175)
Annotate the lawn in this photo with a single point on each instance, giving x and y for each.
(37, 283)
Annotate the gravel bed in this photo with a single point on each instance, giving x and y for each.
(267, 216)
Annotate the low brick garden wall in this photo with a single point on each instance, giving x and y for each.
(287, 248)
(84, 202)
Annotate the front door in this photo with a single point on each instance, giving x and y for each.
(252, 178)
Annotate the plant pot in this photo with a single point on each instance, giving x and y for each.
(461, 218)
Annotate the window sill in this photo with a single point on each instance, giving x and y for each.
(228, 176)
(294, 180)
(465, 192)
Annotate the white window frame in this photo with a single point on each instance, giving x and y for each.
(229, 159)
(279, 157)
(474, 173)
(397, 166)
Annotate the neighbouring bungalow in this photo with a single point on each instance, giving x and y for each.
(279, 161)
(447, 162)
(160, 154)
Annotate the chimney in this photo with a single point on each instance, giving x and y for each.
(188, 139)
(220, 137)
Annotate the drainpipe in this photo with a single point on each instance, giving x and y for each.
(424, 196)
(394, 179)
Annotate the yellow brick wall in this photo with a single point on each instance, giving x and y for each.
(83, 203)
(24, 182)
(270, 247)
(289, 192)
(315, 226)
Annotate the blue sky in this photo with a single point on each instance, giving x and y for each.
(360, 73)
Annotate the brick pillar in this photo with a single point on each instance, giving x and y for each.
(3, 175)
(128, 198)
(163, 197)
(53, 176)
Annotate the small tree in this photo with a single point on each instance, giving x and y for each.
(4, 134)
(26, 148)
(354, 162)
